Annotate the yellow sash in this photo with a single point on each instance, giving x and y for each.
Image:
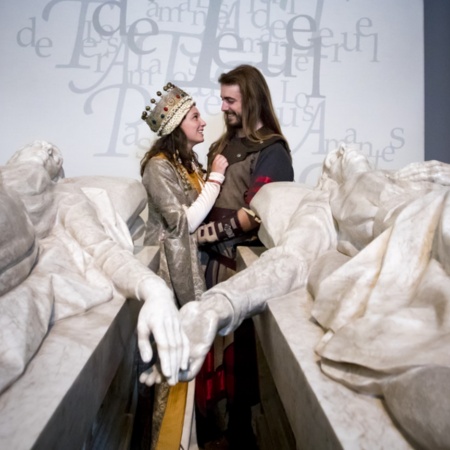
(172, 424)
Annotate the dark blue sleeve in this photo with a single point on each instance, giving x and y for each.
(274, 164)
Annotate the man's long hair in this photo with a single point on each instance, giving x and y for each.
(256, 106)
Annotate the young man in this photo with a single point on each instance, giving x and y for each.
(257, 153)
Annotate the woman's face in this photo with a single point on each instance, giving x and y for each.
(193, 126)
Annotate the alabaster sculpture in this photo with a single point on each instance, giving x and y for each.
(66, 247)
(372, 249)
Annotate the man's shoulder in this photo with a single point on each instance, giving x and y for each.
(268, 141)
(277, 143)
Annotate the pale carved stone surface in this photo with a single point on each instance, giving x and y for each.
(67, 248)
(372, 248)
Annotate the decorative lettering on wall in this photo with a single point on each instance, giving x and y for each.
(120, 48)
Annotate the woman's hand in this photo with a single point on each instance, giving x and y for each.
(219, 164)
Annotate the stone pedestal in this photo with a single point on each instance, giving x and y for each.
(321, 413)
(79, 390)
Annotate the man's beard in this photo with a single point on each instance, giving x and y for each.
(236, 120)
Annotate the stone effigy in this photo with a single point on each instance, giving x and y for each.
(385, 310)
(65, 248)
(372, 249)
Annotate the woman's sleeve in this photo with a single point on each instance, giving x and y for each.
(161, 183)
(197, 212)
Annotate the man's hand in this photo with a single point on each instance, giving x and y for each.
(159, 318)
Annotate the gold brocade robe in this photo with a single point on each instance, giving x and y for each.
(170, 190)
(168, 195)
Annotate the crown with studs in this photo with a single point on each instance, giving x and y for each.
(168, 111)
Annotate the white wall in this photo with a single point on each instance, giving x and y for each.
(79, 73)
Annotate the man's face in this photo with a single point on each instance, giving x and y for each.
(232, 105)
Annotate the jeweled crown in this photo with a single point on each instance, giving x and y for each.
(168, 111)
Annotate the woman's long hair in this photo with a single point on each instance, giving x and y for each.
(173, 145)
(256, 106)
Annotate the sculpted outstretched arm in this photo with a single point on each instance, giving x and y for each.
(223, 308)
(159, 317)
(278, 271)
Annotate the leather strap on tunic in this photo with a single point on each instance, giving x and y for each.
(251, 165)
(242, 156)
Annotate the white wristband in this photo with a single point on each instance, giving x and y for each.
(216, 177)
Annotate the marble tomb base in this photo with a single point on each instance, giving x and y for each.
(78, 391)
(320, 412)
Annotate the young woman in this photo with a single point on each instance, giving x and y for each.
(180, 196)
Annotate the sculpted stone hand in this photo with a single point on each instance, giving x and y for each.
(431, 171)
(202, 321)
(81, 231)
(278, 271)
(159, 318)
